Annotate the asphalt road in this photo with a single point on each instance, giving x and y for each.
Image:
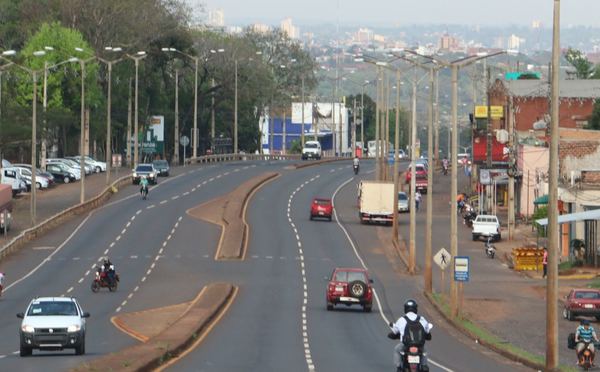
(279, 320)
(157, 249)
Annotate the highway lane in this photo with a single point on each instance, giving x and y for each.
(138, 230)
(263, 330)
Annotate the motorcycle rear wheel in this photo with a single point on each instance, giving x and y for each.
(113, 287)
(95, 287)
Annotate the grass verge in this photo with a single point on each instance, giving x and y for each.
(486, 338)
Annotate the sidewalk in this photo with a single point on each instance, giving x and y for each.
(510, 304)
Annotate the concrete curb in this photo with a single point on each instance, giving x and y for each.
(318, 162)
(490, 346)
(33, 232)
(190, 328)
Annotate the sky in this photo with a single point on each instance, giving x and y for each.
(373, 13)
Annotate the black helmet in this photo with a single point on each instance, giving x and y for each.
(585, 322)
(410, 306)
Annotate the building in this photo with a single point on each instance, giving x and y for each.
(449, 43)
(216, 18)
(260, 28)
(288, 27)
(364, 36)
(514, 42)
(318, 123)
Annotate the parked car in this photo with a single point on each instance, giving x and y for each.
(76, 162)
(53, 323)
(61, 172)
(39, 172)
(146, 170)
(584, 302)
(311, 149)
(321, 208)
(350, 286)
(40, 183)
(486, 225)
(99, 166)
(69, 165)
(403, 202)
(162, 166)
(10, 176)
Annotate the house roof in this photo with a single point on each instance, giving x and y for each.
(568, 88)
(593, 214)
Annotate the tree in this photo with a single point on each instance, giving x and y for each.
(583, 67)
(594, 120)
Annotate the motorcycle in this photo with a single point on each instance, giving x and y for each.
(144, 192)
(102, 281)
(585, 357)
(469, 217)
(490, 249)
(412, 356)
(355, 166)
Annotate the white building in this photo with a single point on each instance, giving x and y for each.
(216, 18)
(364, 36)
(514, 42)
(288, 27)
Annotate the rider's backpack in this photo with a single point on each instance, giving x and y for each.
(414, 333)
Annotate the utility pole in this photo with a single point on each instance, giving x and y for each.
(362, 119)
(489, 140)
(302, 134)
(386, 127)
(212, 115)
(454, 189)
(353, 143)
(552, 280)
(176, 126)
(195, 132)
(135, 116)
(412, 259)
(128, 153)
(429, 223)
(342, 102)
(108, 117)
(377, 120)
(82, 138)
(284, 139)
(235, 115)
(511, 177)
(437, 117)
(44, 126)
(396, 144)
(34, 153)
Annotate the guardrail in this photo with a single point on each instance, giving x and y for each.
(32, 232)
(239, 157)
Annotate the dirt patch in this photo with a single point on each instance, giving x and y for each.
(228, 212)
(486, 309)
(172, 342)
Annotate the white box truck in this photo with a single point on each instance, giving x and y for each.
(376, 201)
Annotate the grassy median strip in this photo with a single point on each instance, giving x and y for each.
(486, 338)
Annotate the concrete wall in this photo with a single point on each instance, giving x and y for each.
(533, 161)
(573, 113)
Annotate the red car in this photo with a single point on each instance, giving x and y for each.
(350, 286)
(420, 171)
(584, 302)
(321, 208)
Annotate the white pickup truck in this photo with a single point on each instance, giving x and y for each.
(486, 225)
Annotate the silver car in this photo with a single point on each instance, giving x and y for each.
(403, 202)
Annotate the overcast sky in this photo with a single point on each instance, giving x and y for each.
(405, 12)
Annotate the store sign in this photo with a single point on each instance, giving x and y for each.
(499, 150)
(496, 112)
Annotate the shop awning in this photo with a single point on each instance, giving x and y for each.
(541, 200)
(594, 214)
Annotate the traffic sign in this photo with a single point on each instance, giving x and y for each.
(184, 141)
(442, 258)
(461, 269)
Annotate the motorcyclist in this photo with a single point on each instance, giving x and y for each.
(356, 164)
(1, 282)
(143, 185)
(585, 335)
(109, 269)
(445, 164)
(399, 332)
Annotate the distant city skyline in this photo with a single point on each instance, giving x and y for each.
(390, 13)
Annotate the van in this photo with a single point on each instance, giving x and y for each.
(311, 149)
(10, 176)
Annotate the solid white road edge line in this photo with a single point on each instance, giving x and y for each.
(385, 319)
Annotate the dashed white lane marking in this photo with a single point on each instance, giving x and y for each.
(385, 319)
(118, 238)
(2, 356)
(106, 251)
(70, 290)
(163, 202)
(123, 231)
(118, 309)
(80, 280)
(307, 352)
(186, 193)
(139, 211)
(175, 197)
(194, 189)
(87, 273)
(150, 206)
(111, 245)
(128, 224)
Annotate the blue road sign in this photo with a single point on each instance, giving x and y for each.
(461, 269)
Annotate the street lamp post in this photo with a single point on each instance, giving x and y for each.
(235, 115)
(136, 58)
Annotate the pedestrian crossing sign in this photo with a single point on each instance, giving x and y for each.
(442, 258)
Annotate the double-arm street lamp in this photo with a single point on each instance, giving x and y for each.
(136, 58)
(362, 118)
(455, 66)
(109, 65)
(34, 74)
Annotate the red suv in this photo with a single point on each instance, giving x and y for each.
(321, 208)
(350, 287)
(420, 171)
(584, 302)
